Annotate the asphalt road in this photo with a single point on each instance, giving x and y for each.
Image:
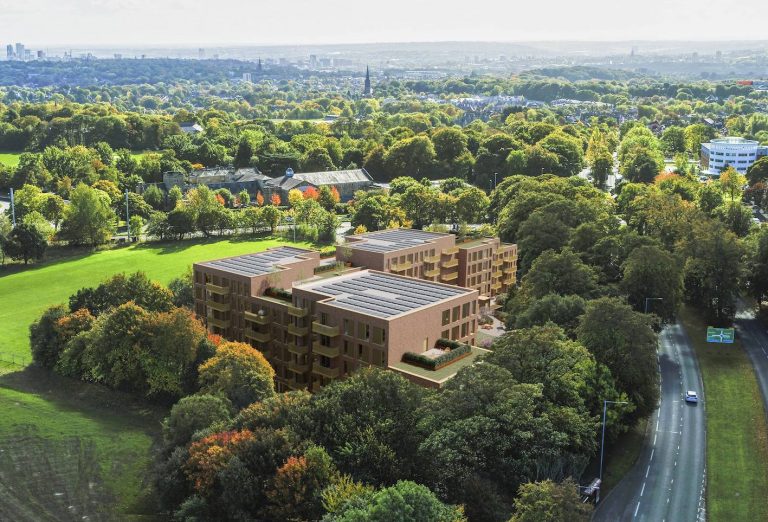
(754, 338)
(667, 482)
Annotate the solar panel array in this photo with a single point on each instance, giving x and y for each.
(387, 295)
(391, 240)
(257, 264)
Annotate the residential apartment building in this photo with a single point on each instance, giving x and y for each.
(319, 323)
(486, 264)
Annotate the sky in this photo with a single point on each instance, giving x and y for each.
(259, 22)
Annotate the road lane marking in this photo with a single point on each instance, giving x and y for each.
(652, 454)
(636, 508)
(647, 470)
(642, 490)
(654, 439)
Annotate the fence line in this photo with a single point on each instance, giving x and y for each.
(14, 359)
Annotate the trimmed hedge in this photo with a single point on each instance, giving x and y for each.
(457, 350)
(327, 268)
(278, 293)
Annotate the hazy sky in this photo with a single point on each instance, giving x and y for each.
(259, 22)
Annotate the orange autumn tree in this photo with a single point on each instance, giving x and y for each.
(275, 200)
(335, 194)
(311, 193)
(260, 199)
(211, 454)
(238, 371)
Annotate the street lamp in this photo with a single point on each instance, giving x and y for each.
(602, 442)
(647, 299)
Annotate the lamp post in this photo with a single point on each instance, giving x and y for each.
(648, 299)
(602, 441)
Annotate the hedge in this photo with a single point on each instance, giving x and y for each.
(457, 350)
(278, 293)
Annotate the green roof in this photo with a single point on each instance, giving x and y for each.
(444, 373)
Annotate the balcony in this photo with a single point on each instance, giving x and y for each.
(221, 307)
(259, 337)
(216, 289)
(221, 323)
(496, 274)
(432, 273)
(451, 263)
(331, 373)
(298, 330)
(496, 286)
(328, 351)
(510, 270)
(497, 262)
(256, 318)
(509, 280)
(401, 267)
(296, 349)
(297, 367)
(296, 311)
(324, 329)
(432, 259)
(450, 251)
(452, 276)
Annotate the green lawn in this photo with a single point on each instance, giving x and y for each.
(737, 437)
(10, 159)
(69, 449)
(26, 293)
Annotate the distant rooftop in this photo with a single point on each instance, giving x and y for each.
(383, 294)
(734, 140)
(393, 239)
(251, 265)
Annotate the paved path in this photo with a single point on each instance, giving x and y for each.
(667, 482)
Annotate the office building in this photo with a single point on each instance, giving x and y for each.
(319, 322)
(735, 152)
(485, 265)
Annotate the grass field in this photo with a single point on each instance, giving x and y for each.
(737, 436)
(26, 293)
(10, 159)
(69, 449)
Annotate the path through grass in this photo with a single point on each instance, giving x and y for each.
(737, 436)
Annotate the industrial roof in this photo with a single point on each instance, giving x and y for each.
(393, 239)
(382, 294)
(260, 263)
(332, 177)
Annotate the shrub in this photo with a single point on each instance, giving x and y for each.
(456, 351)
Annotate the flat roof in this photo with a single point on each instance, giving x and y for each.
(259, 263)
(444, 373)
(382, 294)
(393, 239)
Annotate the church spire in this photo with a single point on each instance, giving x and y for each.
(367, 89)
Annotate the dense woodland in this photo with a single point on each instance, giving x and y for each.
(504, 440)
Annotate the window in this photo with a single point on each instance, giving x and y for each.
(474, 307)
(464, 310)
(346, 347)
(360, 350)
(455, 314)
(455, 333)
(363, 331)
(323, 318)
(378, 335)
(464, 329)
(446, 317)
(377, 357)
(444, 334)
(348, 327)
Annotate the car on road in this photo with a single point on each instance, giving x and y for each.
(691, 396)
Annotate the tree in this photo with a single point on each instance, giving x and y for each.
(651, 272)
(240, 372)
(472, 205)
(410, 157)
(53, 208)
(243, 198)
(562, 273)
(548, 501)
(758, 171)
(405, 502)
(259, 199)
(624, 341)
(45, 338)
(5, 233)
(757, 265)
(174, 197)
(673, 141)
(89, 218)
(296, 490)
(272, 216)
(563, 310)
(154, 197)
(182, 289)
(328, 197)
(26, 241)
(732, 183)
(192, 414)
(275, 200)
(120, 289)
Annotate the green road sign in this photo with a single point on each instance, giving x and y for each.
(720, 335)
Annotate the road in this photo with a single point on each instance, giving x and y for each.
(755, 341)
(667, 482)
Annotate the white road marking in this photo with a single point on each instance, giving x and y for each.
(654, 439)
(652, 454)
(636, 508)
(647, 470)
(642, 490)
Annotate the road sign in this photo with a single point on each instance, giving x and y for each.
(720, 335)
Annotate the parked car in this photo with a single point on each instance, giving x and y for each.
(691, 396)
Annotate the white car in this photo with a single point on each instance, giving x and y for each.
(691, 396)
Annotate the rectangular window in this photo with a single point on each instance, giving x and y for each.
(455, 314)
(445, 334)
(455, 333)
(464, 329)
(346, 347)
(464, 310)
(474, 307)
(348, 327)
(378, 335)
(446, 317)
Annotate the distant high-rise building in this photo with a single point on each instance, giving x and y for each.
(313, 60)
(259, 67)
(367, 89)
(41, 55)
(9, 52)
(19, 51)
(247, 77)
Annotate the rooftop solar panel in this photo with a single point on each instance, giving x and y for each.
(396, 239)
(257, 264)
(384, 295)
